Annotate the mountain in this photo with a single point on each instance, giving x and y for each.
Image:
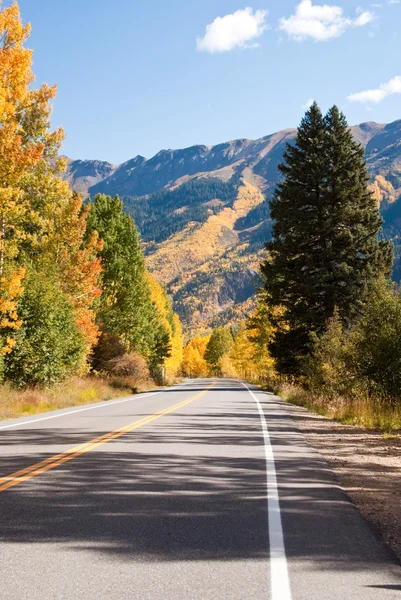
(203, 212)
(82, 175)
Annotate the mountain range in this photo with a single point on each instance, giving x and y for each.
(203, 212)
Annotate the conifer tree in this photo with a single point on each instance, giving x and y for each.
(325, 249)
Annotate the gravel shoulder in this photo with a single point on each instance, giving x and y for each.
(367, 465)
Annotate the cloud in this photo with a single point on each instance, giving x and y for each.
(321, 22)
(393, 1)
(236, 30)
(377, 95)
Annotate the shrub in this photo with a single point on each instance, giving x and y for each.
(130, 367)
(377, 342)
(49, 346)
(330, 369)
(109, 347)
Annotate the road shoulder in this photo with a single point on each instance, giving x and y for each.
(368, 468)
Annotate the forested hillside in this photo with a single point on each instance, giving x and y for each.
(196, 240)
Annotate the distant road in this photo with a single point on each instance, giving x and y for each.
(205, 491)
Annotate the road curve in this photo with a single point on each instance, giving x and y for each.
(202, 491)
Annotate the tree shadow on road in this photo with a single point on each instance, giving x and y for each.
(190, 487)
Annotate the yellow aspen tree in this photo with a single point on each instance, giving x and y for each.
(24, 141)
(242, 354)
(42, 223)
(194, 363)
(172, 324)
(24, 133)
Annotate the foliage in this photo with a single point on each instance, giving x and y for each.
(171, 323)
(25, 141)
(126, 308)
(254, 217)
(354, 374)
(74, 260)
(10, 292)
(167, 211)
(207, 267)
(42, 225)
(108, 348)
(219, 344)
(239, 361)
(376, 338)
(132, 367)
(194, 363)
(330, 369)
(325, 249)
(49, 345)
(260, 333)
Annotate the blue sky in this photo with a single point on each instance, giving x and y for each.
(137, 76)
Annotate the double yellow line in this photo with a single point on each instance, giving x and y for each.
(59, 459)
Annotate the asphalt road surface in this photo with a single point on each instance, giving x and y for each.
(202, 491)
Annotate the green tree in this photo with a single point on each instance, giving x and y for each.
(49, 345)
(126, 308)
(376, 339)
(325, 250)
(220, 343)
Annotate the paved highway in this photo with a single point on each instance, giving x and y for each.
(202, 491)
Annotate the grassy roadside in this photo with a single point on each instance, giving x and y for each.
(362, 412)
(73, 392)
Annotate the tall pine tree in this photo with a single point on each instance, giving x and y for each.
(325, 249)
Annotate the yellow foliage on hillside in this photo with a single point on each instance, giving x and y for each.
(382, 190)
(196, 244)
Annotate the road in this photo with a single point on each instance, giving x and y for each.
(202, 491)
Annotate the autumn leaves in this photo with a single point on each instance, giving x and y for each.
(60, 282)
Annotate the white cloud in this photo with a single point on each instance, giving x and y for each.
(377, 95)
(321, 22)
(364, 18)
(236, 30)
(393, 1)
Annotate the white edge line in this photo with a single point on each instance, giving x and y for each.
(97, 405)
(280, 581)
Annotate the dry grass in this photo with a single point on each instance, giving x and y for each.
(363, 412)
(73, 392)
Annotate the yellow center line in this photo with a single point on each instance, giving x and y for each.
(59, 459)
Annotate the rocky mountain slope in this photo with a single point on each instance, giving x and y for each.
(203, 212)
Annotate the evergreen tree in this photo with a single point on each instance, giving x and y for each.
(220, 343)
(325, 249)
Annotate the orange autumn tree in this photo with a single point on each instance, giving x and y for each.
(22, 145)
(74, 259)
(42, 224)
(24, 140)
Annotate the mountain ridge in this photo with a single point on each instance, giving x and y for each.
(139, 176)
(203, 212)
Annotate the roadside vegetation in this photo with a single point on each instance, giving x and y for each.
(335, 315)
(76, 300)
(82, 319)
(326, 333)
